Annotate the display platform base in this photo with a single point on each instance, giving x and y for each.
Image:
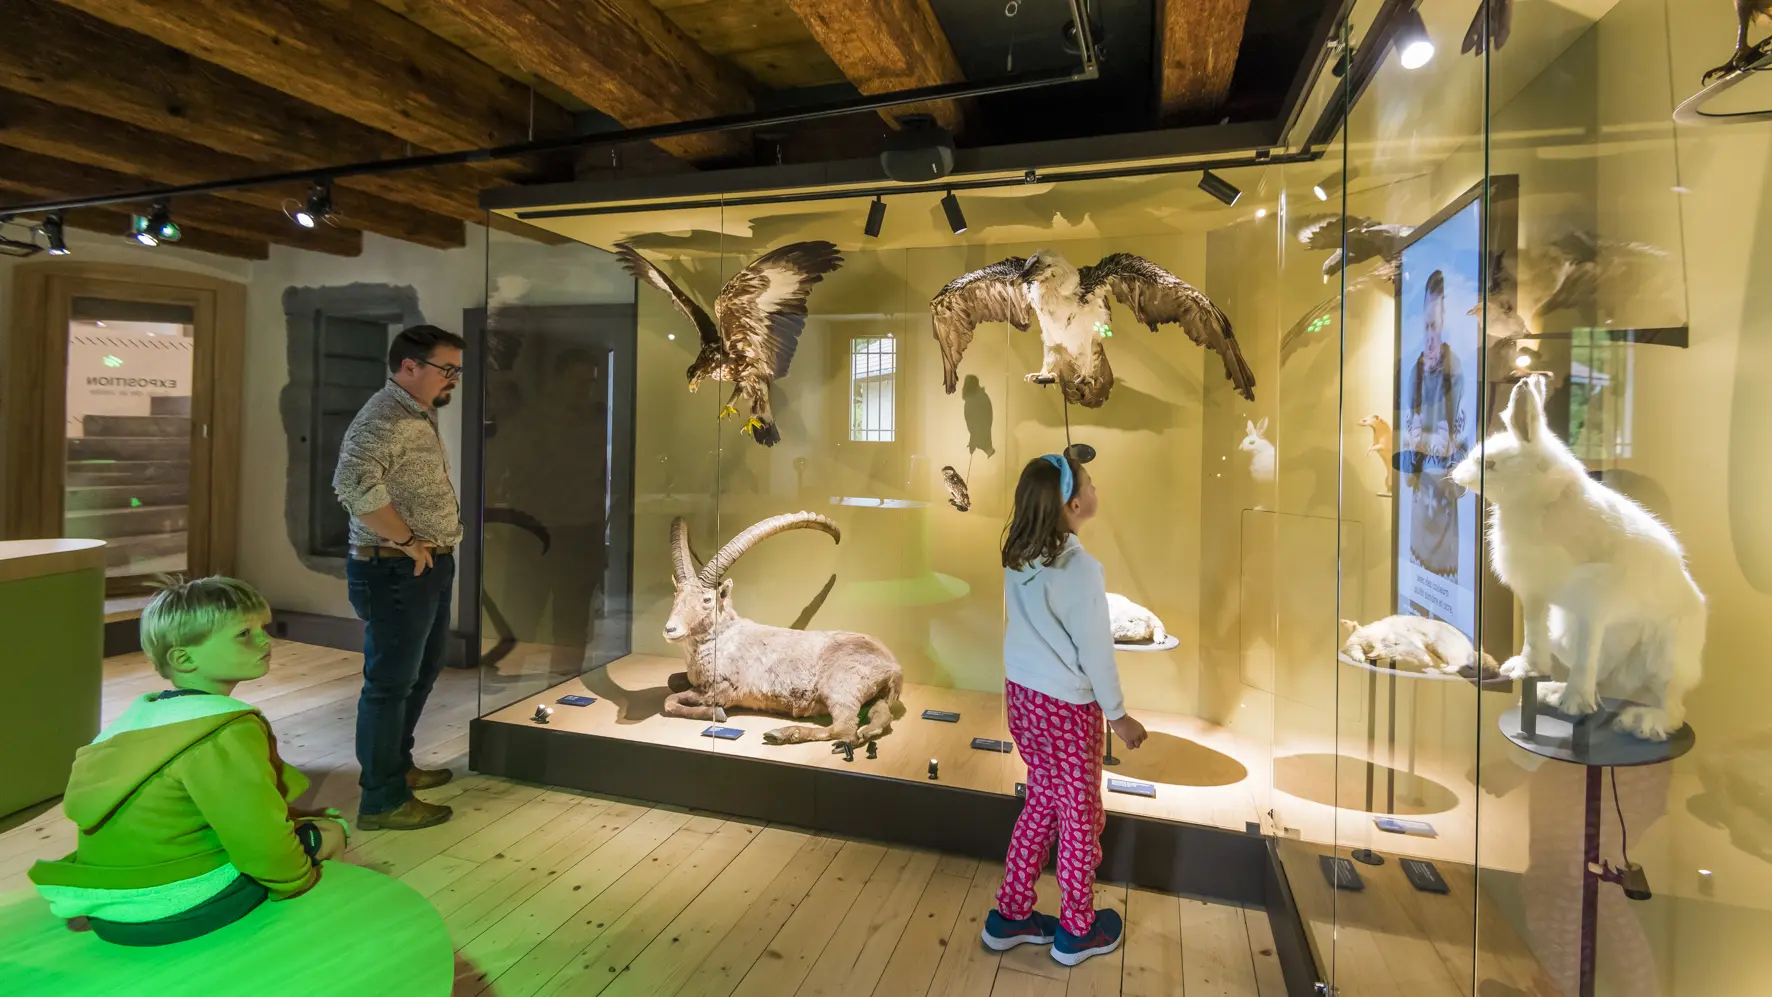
(1197, 834)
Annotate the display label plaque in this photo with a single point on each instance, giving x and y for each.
(1132, 787)
(1340, 873)
(1424, 877)
(992, 744)
(723, 733)
(944, 716)
(1397, 825)
(577, 700)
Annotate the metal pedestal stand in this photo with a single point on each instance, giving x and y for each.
(1596, 744)
(1391, 675)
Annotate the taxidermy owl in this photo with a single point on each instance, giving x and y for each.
(756, 327)
(958, 497)
(1074, 308)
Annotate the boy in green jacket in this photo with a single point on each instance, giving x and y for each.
(183, 804)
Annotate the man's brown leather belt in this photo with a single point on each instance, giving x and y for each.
(359, 552)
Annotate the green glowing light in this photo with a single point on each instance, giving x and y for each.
(135, 503)
(113, 361)
(1103, 330)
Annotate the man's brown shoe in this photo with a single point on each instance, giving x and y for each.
(417, 778)
(409, 816)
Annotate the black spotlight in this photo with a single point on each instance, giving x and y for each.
(319, 206)
(1415, 48)
(951, 206)
(1220, 188)
(156, 227)
(52, 232)
(876, 218)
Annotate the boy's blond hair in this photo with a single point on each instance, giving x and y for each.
(185, 613)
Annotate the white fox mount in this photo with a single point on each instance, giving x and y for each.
(735, 663)
(1134, 624)
(1416, 644)
(1608, 603)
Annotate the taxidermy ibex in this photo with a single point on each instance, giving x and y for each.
(735, 662)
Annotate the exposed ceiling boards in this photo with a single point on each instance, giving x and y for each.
(115, 95)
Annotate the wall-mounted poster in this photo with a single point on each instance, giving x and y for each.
(1438, 419)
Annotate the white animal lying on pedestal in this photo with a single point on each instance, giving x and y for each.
(1416, 644)
(1608, 602)
(1134, 624)
(739, 663)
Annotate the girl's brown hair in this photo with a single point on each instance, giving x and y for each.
(1037, 530)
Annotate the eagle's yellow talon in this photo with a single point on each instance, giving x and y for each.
(727, 410)
(753, 423)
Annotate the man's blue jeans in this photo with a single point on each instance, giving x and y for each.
(403, 646)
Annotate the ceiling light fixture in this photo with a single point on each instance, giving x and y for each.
(951, 206)
(156, 227)
(1415, 48)
(52, 233)
(319, 206)
(876, 218)
(1226, 192)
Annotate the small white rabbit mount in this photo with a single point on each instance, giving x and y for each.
(1134, 624)
(1416, 644)
(1260, 451)
(1609, 606)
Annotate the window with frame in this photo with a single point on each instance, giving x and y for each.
(873, 368)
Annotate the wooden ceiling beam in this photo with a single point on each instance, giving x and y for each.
(622, 57)
(64, 57)
(884, 46)
(48, 178)
(73, 135)
(115, 222)
(355, 58)
(1198, 41)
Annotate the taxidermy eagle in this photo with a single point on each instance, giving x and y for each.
(1745, 55)
(756, 327)
(1073, 307)
(1366, 239)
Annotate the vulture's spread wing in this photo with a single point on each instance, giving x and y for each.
(643, 270)
(1322, 315)
(1156, 296)
(762, 309)
(993, 294)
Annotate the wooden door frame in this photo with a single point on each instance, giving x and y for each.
(37, 395)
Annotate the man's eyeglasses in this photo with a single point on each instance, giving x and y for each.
(451, 371)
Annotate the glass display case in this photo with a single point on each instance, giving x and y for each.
(1522, 216)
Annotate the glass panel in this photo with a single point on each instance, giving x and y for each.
(129, 432)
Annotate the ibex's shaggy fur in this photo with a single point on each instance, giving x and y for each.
(738, 663)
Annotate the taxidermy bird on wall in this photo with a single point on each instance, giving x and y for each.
(1366, 239)
(1074, 308)
(958, 496)
(758, 318)
(1499, 15)
(1745, 54)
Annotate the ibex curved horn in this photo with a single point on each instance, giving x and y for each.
(682, 556)
(737, 546)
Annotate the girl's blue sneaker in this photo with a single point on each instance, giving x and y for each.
(1001, 934)
(1102, 937)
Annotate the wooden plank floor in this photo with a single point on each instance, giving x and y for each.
(549, 891)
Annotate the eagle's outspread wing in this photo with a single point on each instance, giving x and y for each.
(762, 309)
(993, 294)
(1155, 296)
(642, 269)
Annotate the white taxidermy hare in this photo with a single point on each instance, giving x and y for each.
(1603, 584)
(1417, 644)
(1132, 623)
(1260, 451)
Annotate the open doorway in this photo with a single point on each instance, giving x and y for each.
(124, 416)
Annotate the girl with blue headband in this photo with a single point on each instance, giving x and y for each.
(1060, 683)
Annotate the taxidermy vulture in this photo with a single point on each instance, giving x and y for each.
(1745, 54)
(1495, 15)
(1074, 308)
(958, 497)
(1366, 239)
(735, 663)
(756, 327)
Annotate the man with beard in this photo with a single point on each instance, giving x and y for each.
(393, 479)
